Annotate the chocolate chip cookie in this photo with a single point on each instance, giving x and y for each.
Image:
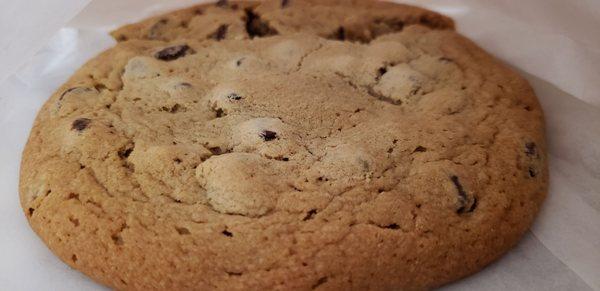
(290, 145)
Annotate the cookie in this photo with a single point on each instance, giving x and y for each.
(289, 145)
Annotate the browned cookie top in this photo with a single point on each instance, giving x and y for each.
(288, 145)
(352, 20)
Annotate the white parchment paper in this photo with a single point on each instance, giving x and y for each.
(554, 43)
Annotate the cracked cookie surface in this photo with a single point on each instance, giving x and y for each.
(286, 145)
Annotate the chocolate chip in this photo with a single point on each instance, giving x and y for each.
(463, 199)
(310, 214)
(268, 135)
(234, 273)
(339, 34)
(285, 3)
(234, 96)
(80, 124)
(30, 210)
(172, 53)
(446, 60)
(255, 27)
(219, 112)
(239, 62)
(532, 172)
(221, 3)
(473, 205)
(182, 230)
(99, 87)
(215, 150)
(419, 149)
(392, 226)
(380, 72)
(319, 282)
(227, 233)
(124, 153)
(173, 109)
(459, 187)
(530, 149)
(220, 33)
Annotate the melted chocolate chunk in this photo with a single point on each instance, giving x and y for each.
(172, 53)
(268, 135)
(80, 124)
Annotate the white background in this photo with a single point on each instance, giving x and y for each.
(555, 43)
